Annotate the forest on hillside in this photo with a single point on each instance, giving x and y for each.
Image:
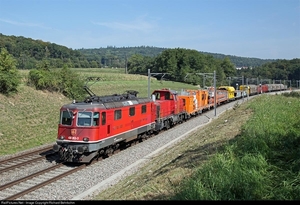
(181, 64)
(191, 66)
(29, 52)
(118, 56)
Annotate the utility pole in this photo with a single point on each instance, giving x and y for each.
(125, 63)
(149, 76)
(215, 94)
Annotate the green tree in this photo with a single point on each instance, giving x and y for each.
(10, 77)
(63, 80)
(228, 67)
(138, 64)
(70, 83)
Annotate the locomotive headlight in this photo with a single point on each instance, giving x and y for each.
(61, 137)
(56, 147)
(86, 139)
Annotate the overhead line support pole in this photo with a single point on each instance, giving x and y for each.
(149, 76)
(215, 94)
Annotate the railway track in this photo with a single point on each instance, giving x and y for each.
(25, 159)
(20, 187)
(25, 185)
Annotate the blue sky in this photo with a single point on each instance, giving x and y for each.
(266, 29)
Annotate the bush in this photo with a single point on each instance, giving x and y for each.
(10, 77)
(292, 94)
(62, 80)
(70, 83)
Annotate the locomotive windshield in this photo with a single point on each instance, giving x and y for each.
(83, 118)
(88, 118)
(66, 117)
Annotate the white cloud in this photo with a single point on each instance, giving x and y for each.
(137, 25)
(24, 24)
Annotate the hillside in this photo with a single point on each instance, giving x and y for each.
(29, 52)
(116, 56)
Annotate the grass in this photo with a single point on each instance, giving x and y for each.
(261, 164)
(28, 119)
(118, 82)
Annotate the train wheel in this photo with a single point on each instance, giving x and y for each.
(108, 152)
(143, 137)
(167, 124)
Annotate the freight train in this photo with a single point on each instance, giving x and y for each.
(99, 125)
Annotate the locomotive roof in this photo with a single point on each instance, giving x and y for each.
(107, 102)
(166, 90)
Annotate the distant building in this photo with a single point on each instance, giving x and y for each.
(243, 67)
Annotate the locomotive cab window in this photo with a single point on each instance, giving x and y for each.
(96, 119)
(144, 109)
(103, 118)
(167, 96)
(84, 119)
(66, 117)
(118, 114)
(131, 111)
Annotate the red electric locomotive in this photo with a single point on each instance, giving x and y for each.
(99, 125)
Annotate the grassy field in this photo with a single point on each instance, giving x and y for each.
(30, 118)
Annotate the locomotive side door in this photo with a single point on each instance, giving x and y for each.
(110, 122)
(103, 125)
(153, 112)
(106, 121)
